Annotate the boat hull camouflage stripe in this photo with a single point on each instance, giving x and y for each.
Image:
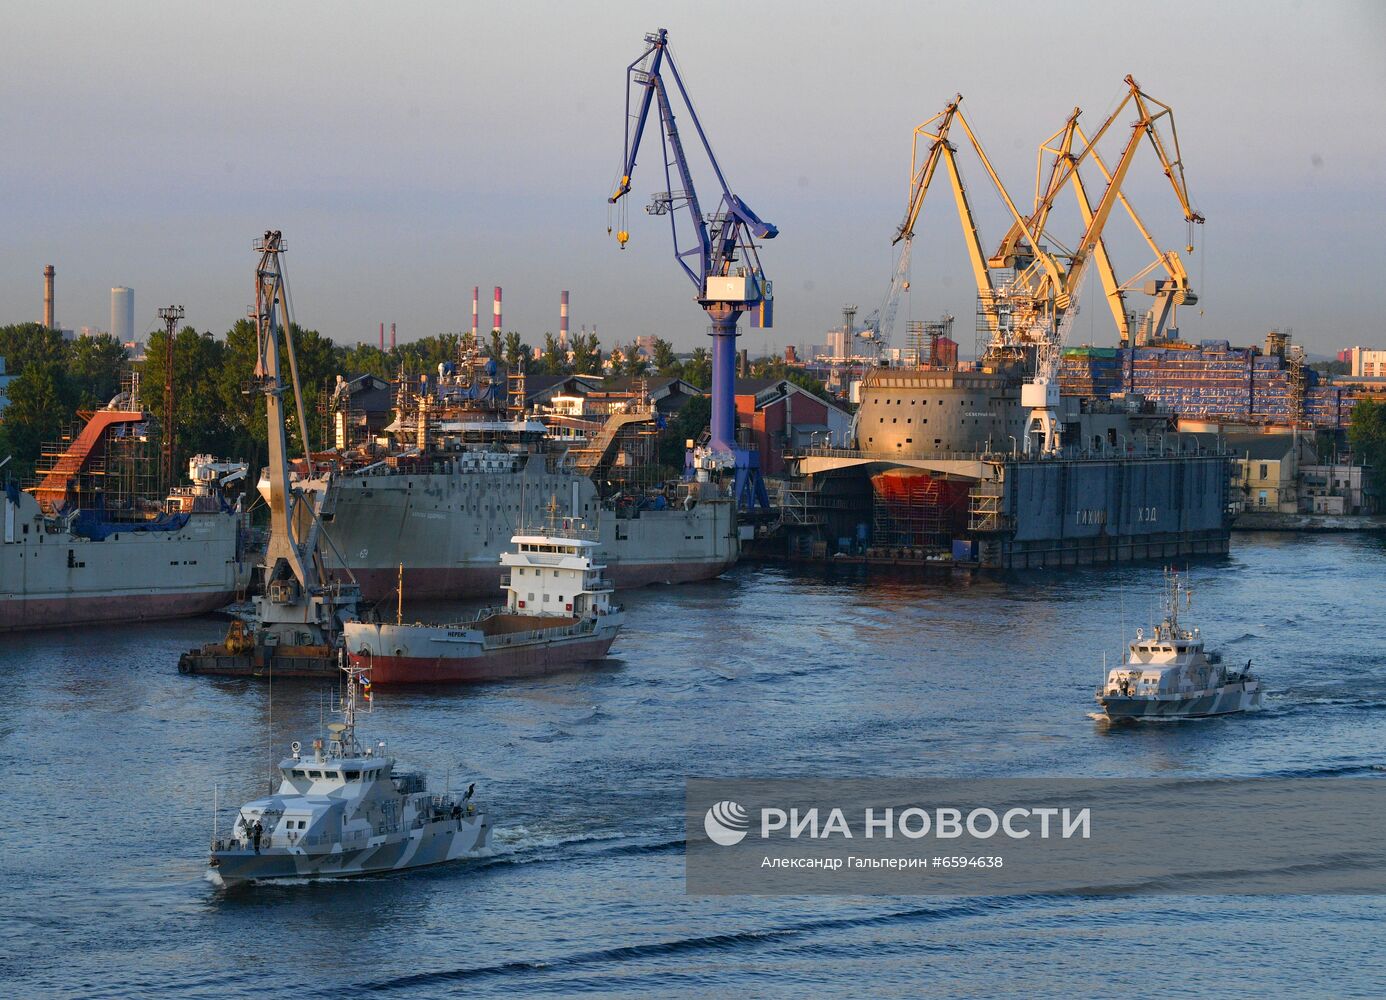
(1220, 703)
(432, 844)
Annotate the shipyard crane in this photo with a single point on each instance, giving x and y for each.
(299, 606)
(932, 140)
(1170, 291)
(881, 323)
(1051, 292)
(719, 255)
(1034, 306)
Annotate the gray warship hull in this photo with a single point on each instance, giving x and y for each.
(52, 577)
(431, 844)
(1225, 701)
(448, 528)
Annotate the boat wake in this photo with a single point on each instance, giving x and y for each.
(730, 942)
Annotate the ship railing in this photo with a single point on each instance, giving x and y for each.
(584, 627)
(1016, 455)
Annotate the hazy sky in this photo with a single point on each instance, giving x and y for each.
(410, 151)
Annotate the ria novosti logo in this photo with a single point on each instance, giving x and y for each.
(727, 823)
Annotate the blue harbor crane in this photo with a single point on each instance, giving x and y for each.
(720, 256)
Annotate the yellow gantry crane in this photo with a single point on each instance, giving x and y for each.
(1048, 277)
(1033, 304)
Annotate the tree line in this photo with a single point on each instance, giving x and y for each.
(214, 411)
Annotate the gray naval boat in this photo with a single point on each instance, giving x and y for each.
(1169, 675)
(345, 810)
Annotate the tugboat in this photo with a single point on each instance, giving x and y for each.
(1168, 675)
(557, 612)
(345, 810)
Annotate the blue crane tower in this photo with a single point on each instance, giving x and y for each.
(720, 257)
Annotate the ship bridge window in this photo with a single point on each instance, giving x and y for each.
(315, 775)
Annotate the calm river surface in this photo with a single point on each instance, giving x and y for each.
(110, 757)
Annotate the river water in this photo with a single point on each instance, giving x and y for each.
(110, 758)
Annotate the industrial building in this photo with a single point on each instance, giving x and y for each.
(1213, 381)
(774, 415)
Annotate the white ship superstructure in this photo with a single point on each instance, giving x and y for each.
(557, 612)
(343, 809)
(1169, 675)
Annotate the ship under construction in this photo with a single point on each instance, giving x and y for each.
(988, 464)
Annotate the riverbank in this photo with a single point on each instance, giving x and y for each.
(1265, 520)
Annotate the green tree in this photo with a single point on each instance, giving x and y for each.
(1367, 439)
(37, 410)
(698, 369)
(318, 365)
(554, 360)
(201, 425)
(45, 394)
(688, 424)
(665, 362)
(634, 363)
(93, 366)
(587, 355)
(515, 350)
(366, 359)
(496, 348)
(25, 344)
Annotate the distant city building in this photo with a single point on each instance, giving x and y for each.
(836, 348)
(1345, 355)
(1366, 363)
(646, 345)
(123, 313)
(91, 331)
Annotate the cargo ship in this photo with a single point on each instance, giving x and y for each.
(557, 613)
(83, 546)
(442, 489)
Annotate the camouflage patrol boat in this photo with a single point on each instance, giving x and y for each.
(344, 810)
(1169, 674)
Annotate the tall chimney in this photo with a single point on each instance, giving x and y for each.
(563, 319)
(476, 299)
(496, 311)
(392, 336)
(48, 296)
(382, 335)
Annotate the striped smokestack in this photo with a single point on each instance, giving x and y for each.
(48, 273)
(563, 319)
(392, 336)
(476, 301)
(496, 311)
(382, 335)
